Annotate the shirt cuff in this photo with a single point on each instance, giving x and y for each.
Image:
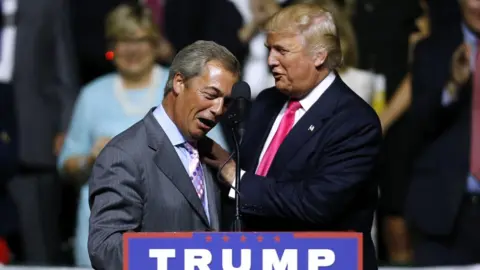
(232, 192)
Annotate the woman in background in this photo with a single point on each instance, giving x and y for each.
(114, 102)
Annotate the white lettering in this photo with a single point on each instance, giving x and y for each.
(162, 256)
(320, 258)
(245, 259)
(200, 258)
(271, 260)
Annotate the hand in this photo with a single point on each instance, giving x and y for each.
(460, 68)
(262, 10)
(214, 155)
(165, 50)
(98, 146)
(58, 143)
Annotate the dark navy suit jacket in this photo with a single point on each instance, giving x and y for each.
(320, 179)
(441, 166)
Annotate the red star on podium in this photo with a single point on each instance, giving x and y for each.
(243, 238)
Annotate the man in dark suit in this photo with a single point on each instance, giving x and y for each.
(443, 204)
(316, 178)
(37, 91)
(149, 178)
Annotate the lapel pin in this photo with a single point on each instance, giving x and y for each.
(311, 128)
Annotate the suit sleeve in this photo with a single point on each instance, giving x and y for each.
(66, 82)
(116, 206)
(344, 170)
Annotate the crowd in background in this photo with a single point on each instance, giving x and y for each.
(62, 98)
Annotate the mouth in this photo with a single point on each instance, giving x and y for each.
(206, 124)
(277, 75)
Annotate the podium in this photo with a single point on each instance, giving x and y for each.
(243, 250)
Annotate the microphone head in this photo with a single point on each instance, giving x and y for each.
(241, 89)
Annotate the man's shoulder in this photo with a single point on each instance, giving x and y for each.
(351, 110)
(132, 141)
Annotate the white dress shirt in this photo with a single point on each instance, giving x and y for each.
(9, 34)
(306, 102)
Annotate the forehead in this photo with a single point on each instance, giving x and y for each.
(284, 39)
(217, 77)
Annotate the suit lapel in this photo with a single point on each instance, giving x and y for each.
(213, 199)
(307, 126)
(263, 124)
(167, 160)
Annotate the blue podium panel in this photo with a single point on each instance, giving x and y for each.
(243, 251)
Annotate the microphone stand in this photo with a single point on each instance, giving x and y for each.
(237, 225)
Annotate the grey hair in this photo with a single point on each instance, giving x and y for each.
(191, 60)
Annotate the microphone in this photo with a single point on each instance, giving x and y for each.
(236, 115)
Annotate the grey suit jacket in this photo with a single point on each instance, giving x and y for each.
(139, 184)
(44, 79)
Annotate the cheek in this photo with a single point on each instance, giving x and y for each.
(296, 69)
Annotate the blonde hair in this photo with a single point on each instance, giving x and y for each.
(125, 20)
(315, 24)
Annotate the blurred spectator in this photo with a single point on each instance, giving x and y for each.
(89, 38)
(38, 88)
(112, 103)
(444, 196)
(90, 41)
(368, 85)
(382, 28)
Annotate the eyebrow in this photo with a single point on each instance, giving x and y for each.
(275, 46)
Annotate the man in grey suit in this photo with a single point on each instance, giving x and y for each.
(38, 88)
(150, 178)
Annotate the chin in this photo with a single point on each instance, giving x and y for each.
(197, 135)
(283, 88)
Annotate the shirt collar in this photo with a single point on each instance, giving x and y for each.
(173, 133)
(469, 37)
(312, 97)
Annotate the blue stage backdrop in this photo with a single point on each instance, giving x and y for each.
(242, 251)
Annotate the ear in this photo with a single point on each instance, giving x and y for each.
(178, 84)
(319, 58)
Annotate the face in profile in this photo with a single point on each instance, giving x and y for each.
(135, 55)
(471, 13)
(201, 101)
(292, 65)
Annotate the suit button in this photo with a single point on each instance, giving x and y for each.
(4, 137)
(475, 199)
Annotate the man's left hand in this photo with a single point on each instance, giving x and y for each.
(58, 143)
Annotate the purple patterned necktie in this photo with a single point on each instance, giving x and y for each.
(195, 171)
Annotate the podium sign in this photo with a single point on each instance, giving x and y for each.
(238, 250)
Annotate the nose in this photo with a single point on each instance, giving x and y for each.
(217, 107)
(272, 58)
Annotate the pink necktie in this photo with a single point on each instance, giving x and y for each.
(475, 139)
(286, 125)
